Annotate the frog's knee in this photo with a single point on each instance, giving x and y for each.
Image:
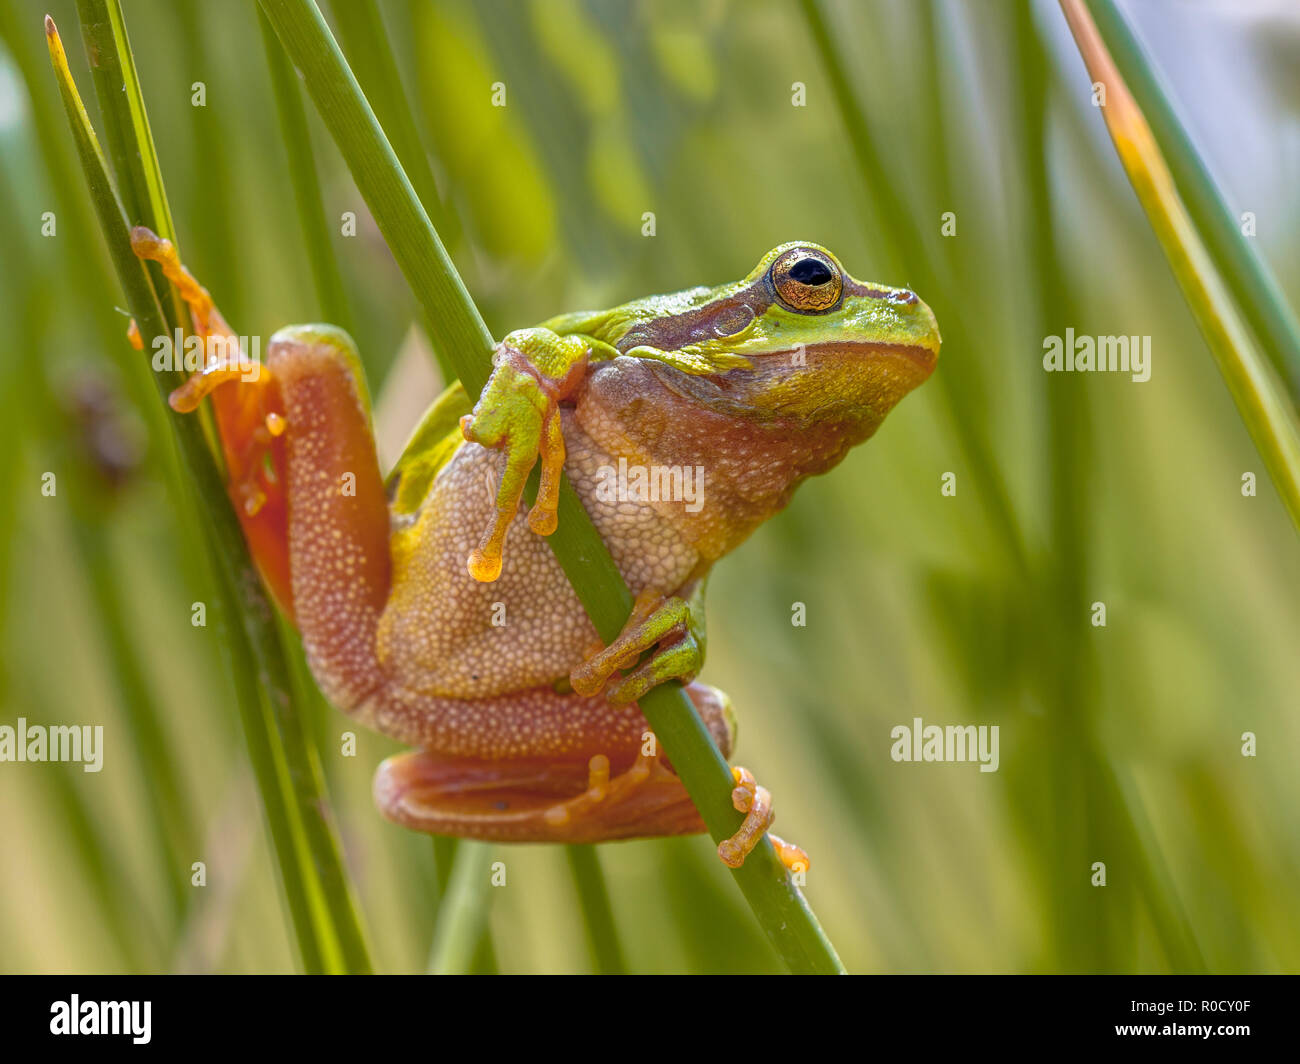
(296, 337)
(317, 350)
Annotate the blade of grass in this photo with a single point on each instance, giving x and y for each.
(446, 858)
(1255, 387)
(462, 914)
(330, 884)
(293, 697)
(301, 166)
(170, 818)
(602, 933)
(126, 131)
(148, 314)
(957, 382)
(252, 646)
(361, 29)
(1067, 672)
(1247, 277)
(90, 269)
(169, 807)
(458, 331)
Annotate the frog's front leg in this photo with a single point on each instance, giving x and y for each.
(519, 413)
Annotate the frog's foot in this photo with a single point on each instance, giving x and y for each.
(250, 416)
(756, 803)
(519, 413)
(150, 246)
(646, 794)
(657, 621)
(251, 420)
(223, 362)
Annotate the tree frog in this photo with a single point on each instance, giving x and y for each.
(431, 607)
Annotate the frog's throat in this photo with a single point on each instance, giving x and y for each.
(751, 458)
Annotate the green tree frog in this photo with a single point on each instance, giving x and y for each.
(432, 609)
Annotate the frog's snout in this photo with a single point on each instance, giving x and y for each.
(927, 330)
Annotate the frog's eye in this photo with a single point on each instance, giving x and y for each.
(807, 280)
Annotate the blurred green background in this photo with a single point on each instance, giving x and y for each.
(1119, 744)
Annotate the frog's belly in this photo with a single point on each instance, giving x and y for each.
(445, 634)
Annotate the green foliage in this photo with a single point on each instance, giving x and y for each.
(1120, 744)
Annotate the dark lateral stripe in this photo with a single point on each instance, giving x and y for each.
(669, 334)
(672, 333)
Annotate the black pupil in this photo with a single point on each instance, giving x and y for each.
(810, 271)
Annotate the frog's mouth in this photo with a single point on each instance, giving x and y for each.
(925, 358)
(812, 382)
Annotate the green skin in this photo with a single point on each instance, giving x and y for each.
(528, 729)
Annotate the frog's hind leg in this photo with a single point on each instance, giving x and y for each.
(615, 784)
(338, 523)
(249, 413)
(150, 246)
(756, 803)
(539, 766)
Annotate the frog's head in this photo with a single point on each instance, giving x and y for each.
(799, 339)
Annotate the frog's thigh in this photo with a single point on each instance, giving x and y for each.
(592, 774)
(337, 513)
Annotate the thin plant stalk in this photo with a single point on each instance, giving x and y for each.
(933, 279)
(602, 932)
(463, 912)
(1256, 389)
(126, 132)
(252, 645)
(118, 86)
(1242, 270)
(301, 165)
